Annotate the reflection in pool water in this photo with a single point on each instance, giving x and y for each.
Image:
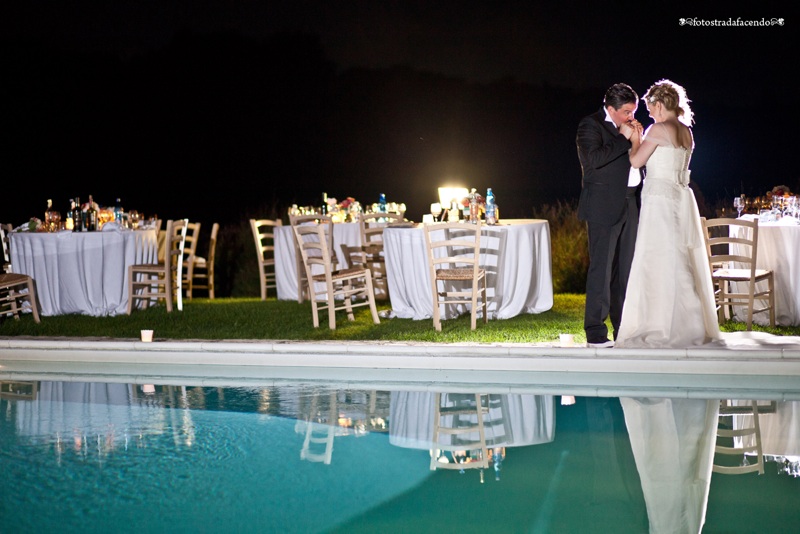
(78, 456)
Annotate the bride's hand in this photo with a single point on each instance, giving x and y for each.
(627, 129)
(638, 130)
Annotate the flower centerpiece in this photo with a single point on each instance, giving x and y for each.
(35, 225)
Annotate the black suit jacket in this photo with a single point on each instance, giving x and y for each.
(603, 154)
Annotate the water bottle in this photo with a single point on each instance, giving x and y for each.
(382, 203)
(491, 207)
(118, 211)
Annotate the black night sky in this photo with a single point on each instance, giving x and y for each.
(219, 111)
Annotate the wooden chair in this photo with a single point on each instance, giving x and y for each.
(190, 256)
(458, 429)
(741, 441)
(327, 285)
(203, 268)
(264, 237)
(327, 223)
(371, 252)
(732, 248)
(15, 289)
(454, 256)
(162, 280)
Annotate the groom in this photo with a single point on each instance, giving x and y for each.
(609, 204)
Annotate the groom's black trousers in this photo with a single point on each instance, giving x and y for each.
(610, 255)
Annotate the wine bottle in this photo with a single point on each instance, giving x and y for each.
(91, 216)
(77, 216)
(69, 224)
(382, 203)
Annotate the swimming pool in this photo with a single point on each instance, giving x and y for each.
(157, 448)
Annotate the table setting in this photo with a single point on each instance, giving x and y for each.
(346, 231)
(778, 215)
(79, 270)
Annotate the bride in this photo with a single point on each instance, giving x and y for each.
(670, 300)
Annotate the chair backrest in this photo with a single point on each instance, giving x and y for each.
(731, 241)
(324, 221)
(212, 248)
(175, 249)
(313, 243)
(190, 246)
(372, 225)
(264, 238)
(453, 245)
(5, 229)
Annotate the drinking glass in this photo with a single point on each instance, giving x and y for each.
(436, 210)
(738, 203)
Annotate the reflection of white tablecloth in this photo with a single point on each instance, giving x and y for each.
(516, 257)
(779, 250)
(512, 421)
(780, 431)
(285, 263)
(76, 408)
(85, 272)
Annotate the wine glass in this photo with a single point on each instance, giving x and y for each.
(738, 203)
(436, 210)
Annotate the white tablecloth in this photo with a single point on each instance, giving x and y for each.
(84, 272)
(285, 263)
(779, 250)
(516, 258)
(512, 420)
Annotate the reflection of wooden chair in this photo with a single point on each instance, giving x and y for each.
(739, 441)
(327, 284)
(454, 256)
(15, 289)
(190, 256)
(203, 268)
(162, 280)
(264, 237)
(732, 247)
(327, 223)
(319, 432)
(460, 425)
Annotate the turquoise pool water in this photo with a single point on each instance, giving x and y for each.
(124, 457)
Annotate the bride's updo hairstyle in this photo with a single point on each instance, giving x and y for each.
(673, 97)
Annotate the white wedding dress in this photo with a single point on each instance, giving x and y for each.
(670, 300)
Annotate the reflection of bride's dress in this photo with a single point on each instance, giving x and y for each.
(670, 300)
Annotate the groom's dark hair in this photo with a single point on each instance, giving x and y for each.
(620, 94)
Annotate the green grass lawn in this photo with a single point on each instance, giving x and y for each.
(250, 318)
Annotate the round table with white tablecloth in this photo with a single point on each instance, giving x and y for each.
(82, 272)
(515, 254)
